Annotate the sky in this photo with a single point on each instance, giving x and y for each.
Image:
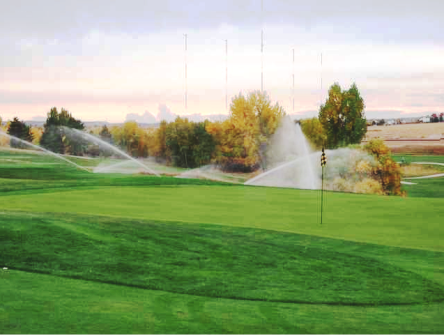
(120, 60)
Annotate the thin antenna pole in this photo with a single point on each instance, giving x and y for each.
(322, 194)
(293, 81)
(186, 74)
(321, 82)
(226, 75)
(262, 46)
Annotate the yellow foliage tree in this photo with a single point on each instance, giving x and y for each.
(37, 134)
(387, 171)
(313, 130)
(240, 138)
(131, 138)
(4, 140)
(157, 144)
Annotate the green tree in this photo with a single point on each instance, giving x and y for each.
(342, 117)
(203, 144)
(19, 130)
(179, 141)
(53, 137)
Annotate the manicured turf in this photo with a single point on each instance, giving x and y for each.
(368, 218)
(171, 255)
(419, 158)
(206, 260)
(433, 187)
(42, 304)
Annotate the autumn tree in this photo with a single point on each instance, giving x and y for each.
(157, 144)
(106, 135)
(126, 137)
(4, 141)
(387, 171)
(313, 130)
(342, 117)
(241, 140)
(19, 130)
(36, 135)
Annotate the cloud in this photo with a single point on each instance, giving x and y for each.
(198, 117)
(38, 118)
(304, 114)
(48, 18)
(165, 114)
(146, 118)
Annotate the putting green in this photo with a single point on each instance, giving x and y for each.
(392, 221)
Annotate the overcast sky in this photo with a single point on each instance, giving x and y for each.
(102, 60)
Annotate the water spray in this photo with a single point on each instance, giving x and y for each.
(58, 156)
(105, 144)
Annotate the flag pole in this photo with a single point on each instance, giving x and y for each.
(323, 163)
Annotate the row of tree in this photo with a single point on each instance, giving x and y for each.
(436, 118)
(237, 144)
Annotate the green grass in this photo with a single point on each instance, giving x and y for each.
(368, 218)
(433, 187)
(51, 305)
(206, 260)
(117, 254)
(216, 262)
(419, 158)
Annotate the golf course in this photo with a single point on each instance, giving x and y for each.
(84, 252)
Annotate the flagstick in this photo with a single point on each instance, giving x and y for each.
(322, 193)
(323, 163)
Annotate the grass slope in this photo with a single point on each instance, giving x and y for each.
(206, 260)
(43, 304)
(103, 249)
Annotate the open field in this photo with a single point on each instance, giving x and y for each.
(406, 131)
(423, 138)
(117, 254)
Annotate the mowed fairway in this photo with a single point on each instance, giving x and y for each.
(113, 254)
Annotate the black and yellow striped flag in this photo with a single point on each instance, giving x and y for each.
(323, 158)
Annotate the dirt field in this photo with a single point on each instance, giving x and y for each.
(423, 138)
(409, 131)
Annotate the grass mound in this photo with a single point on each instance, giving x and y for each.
(205, 260)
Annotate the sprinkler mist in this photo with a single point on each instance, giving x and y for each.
(100, 142)
(290, 159)
(58, 156)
